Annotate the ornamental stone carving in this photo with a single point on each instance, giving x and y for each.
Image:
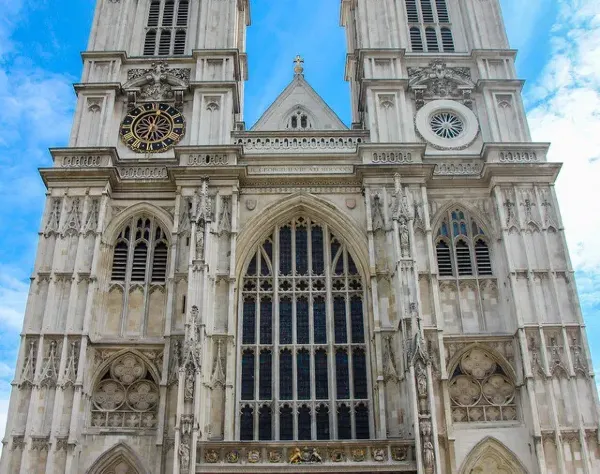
(126, 396)
(480, 390)
(438, 81)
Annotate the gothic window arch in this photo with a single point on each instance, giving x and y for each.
(125, 395)
(462, 248)
(167, 22)
(429, 19)
(299, 119)
(481, 389)
(138, 275)
(303, 352)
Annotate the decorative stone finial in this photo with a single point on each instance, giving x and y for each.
(298, 68)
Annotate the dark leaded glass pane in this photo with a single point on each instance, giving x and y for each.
(249, 329)
(303, 357)
(335, 246)
(285, 321)
(286, 423)
(339, 318)
(285, 375)
(341, 375)
(248, 375)
(359, 372)
(321, 375)
(265, 383)
(302, 327)
(320, 321)
(285, 250)
(362, 421)
(264, 423)
(352, 270)
(247, 424)
(318, 262)
(356, 316)
(304, 422)
(268, 246)
(252, 267)
(323, 422)
(301, 251)
(339, 265)
(266, 321)
(264, 266)
(344, 423)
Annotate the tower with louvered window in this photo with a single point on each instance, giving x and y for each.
(301, 295)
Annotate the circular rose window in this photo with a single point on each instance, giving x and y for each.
(446, 125)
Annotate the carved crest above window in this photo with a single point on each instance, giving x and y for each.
(438, 81)
(157, 83)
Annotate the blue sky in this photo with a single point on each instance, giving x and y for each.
(40, 41)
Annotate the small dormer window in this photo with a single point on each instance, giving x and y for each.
(299, 120)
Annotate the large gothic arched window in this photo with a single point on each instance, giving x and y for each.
(167, 21)
(304, 361)
(462, 247)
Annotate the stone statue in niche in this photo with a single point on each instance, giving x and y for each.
(200, 241)
(184, 454)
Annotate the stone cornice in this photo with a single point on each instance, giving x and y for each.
(508, 84)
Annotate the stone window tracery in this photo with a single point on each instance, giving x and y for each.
(430, 19)
(299, 120)
(481, 390)
(304, 370)
(167, 21)
(125, 396)
(462, 247)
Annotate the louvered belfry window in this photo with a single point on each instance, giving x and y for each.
(462, 248)
(166, 28)
(304, 370)
(140, 253)
(429, 19)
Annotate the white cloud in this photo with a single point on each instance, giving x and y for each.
(13, 297)
(565, 111)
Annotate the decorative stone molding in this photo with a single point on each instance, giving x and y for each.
(370, 454)
(300, 169)
(207, 160)
(450, 168)
(18, 442)
(40, 443)
(143, 172)
(157, 83)
(278, 144)
(391, 157)
(84, 161)
(515, 154)
(438, 81)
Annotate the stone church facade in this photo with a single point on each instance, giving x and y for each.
(302, 296)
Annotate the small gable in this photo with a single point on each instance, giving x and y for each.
(299, 108)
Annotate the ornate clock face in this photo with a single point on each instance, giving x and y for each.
(152, 128)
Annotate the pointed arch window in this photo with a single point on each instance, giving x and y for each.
(167, 20)
(317, 351)
(298, 120)
(429, 19)
(461, 246)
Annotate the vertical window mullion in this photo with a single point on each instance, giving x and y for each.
(330, 331)
(276, 350)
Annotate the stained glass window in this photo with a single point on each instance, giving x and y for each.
(247, 423)
(264, 423)
(288, 308)
(302, 330)
(362, 421)
(285, 375)
(304, 422)
(321, 375)
(323, 422)
(344, 422)
(303, 371)
(286, 423)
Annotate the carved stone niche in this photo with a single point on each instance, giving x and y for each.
(157, 83)
(438, 81)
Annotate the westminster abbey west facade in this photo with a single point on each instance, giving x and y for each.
(300, 295)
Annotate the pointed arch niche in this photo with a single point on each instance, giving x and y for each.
(468, 288)
(490, 456)
(120, 459)
(303, 330)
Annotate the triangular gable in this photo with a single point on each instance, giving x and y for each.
(301, 99)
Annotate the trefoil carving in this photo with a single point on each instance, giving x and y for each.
(53, 222)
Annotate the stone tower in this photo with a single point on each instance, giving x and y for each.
(302, 296)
